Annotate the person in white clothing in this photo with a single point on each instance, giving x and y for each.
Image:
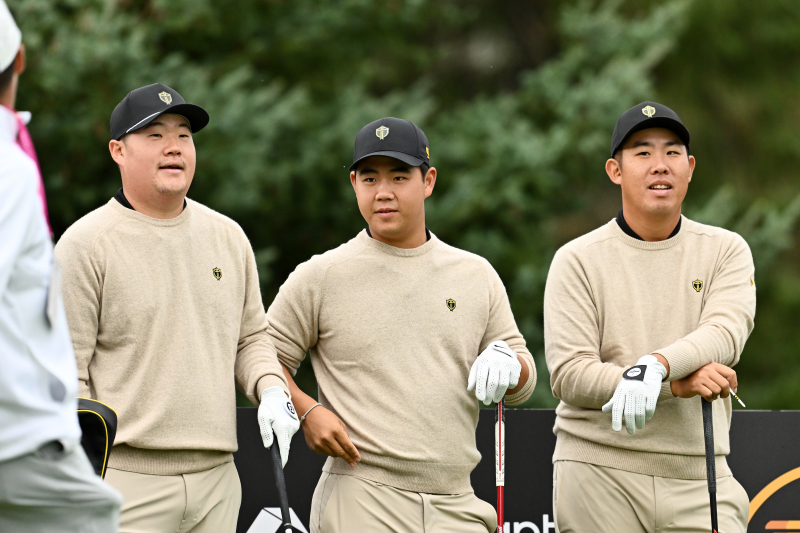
(46, 481)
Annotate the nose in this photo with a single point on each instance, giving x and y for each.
(172, 147)
(385, 191)
(660, 165)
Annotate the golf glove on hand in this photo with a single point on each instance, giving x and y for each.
(276, 415)
(636, 394)
(494, 372)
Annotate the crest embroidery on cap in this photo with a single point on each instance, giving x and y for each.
(428, 152)
(649, 111)
(382, 132)
(165, 97)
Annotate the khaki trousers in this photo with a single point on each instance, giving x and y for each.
(55, 490)
(596, 499)
(344, 504)
(202, 502)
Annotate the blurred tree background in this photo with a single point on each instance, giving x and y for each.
(518, 98)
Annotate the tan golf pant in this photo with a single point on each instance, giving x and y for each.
(202, 502)
(344, 504)
(596, 499)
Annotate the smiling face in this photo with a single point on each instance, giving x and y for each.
(157, 163)
(654, 171)
(391, 197)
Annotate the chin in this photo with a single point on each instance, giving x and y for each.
(172, 187)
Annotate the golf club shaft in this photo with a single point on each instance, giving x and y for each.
(500, 460)
(711, 468)
(280, 483)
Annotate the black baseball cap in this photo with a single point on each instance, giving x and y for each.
(643, 116)
(143, 105)
(392, 137)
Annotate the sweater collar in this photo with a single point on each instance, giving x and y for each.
(628, 231)
(169, 222)
(382, 247)
(637, 242)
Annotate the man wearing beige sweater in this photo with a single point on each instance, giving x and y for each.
(641, 316)
(165, 311)
(401, 329)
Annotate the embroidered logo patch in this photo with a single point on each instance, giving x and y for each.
(217, 273)
(382, 132)
(165, 97)
(649, 111)
(697, 285)
(451, 304)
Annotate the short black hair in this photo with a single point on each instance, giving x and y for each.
(6, 75)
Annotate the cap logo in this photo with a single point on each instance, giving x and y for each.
(428, 152)
(382, 132)
(165, 97)
(649, 111)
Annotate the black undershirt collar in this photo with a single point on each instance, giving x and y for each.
(630, 233)
(427, 232)
(120, 197)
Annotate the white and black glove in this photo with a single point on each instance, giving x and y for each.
(636, 394)
(494, 372)
(276, 415)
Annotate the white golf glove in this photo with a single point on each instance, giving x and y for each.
(636, 394)
(276, 415)
(494, 372)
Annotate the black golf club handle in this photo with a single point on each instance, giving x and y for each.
(280, 482)
(708, 430)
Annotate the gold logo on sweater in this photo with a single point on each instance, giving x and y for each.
(217, 273)
(697, 285)
(451, 304)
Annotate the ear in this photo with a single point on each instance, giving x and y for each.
(614, 171)
(430, 181)
(117, 149)
(353, 179)
(691, 166)
(20, 61)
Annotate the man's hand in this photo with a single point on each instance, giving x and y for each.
(326, 434)
(276, 414)
(710, 381)
(495, 371)
(636, 394)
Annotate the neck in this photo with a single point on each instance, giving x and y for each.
(9, 96)
(651, 227)
(154, 205)
(416, 238)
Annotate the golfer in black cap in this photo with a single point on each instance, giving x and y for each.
(404, 333)
(641, 316)
(165, 312)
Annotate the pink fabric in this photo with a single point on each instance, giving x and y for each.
(26, 144)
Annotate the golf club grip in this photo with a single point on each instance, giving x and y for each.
(708, 431)
(280, 483)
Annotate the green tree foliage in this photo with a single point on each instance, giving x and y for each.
(518, 99)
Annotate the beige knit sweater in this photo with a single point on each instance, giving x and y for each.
(164, 314)
(392, 358)
(611, 299)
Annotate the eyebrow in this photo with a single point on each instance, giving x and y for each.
(637, 144)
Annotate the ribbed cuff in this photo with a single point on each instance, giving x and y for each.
(267, 382)
(415, 476)
(525, 392)
(165, 462)
(681, 363)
